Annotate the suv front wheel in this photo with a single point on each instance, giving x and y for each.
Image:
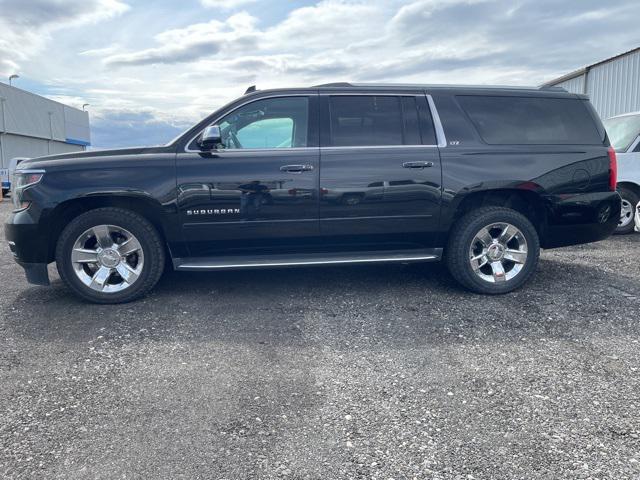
(493, 250)
(110, 255)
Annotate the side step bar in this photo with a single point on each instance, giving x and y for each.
(233, 262)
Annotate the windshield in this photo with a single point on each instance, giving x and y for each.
(623, 131)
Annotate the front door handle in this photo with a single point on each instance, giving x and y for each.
(417, 164)
(296, 168)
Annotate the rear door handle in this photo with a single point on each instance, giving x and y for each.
(296, 168)
(417, 164)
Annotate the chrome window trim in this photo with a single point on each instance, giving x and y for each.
(437, 124)
(370, 94)
(440, 136)
(352, 147)
(252, 150)
(249, 101)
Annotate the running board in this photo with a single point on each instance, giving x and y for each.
(306, 259)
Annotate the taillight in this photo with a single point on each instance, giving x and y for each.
(613, 170)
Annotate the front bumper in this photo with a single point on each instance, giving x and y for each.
(28, 243)
(36, 273)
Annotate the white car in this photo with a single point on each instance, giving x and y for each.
(624, 134)
(6, 174)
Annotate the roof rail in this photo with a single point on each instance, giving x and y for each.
(335, 84)
(401, 85)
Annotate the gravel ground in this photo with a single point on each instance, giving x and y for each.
(382, 372)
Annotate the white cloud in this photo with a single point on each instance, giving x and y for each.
(159, 61)
(194, 42)
(226, 4)
(26, 25)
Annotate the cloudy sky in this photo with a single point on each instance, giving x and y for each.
(149, 68)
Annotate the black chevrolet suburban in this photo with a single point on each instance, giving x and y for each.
(482, 177)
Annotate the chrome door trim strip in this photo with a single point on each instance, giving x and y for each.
(187, 266)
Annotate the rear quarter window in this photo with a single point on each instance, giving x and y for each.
(531, 120)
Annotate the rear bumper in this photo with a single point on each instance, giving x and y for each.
(585, 218)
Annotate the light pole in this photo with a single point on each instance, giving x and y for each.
(50, 132)
(85, 105)
(3, 132)
(13, 77)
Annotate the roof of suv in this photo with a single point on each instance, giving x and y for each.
(458, 89)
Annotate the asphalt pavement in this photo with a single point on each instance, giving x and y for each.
(367, 372)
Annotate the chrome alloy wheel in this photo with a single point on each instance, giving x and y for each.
(498, 252)
(626, 214)
(107, 258)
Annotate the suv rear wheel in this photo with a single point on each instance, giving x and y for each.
(110, 255)
(629, 202)
(493, 250)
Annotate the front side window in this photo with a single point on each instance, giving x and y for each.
(623, 131)
(269, 123)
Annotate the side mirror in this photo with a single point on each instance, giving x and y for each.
(211, 138)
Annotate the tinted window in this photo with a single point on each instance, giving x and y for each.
(426, 124)
(530, 120)
(410, 119)
(270, 123)
(370, 120)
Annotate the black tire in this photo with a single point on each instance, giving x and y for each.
(630, 196)
(460, 242)
(142, 229)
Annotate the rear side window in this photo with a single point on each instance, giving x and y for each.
(373, 121)
(531, 120)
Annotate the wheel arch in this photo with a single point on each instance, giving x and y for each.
(141, 204)
(634, 187)
(525, 201)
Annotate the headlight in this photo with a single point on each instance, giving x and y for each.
(23, 179)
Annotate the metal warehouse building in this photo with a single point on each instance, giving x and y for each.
(32, 126)
(613, 85)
